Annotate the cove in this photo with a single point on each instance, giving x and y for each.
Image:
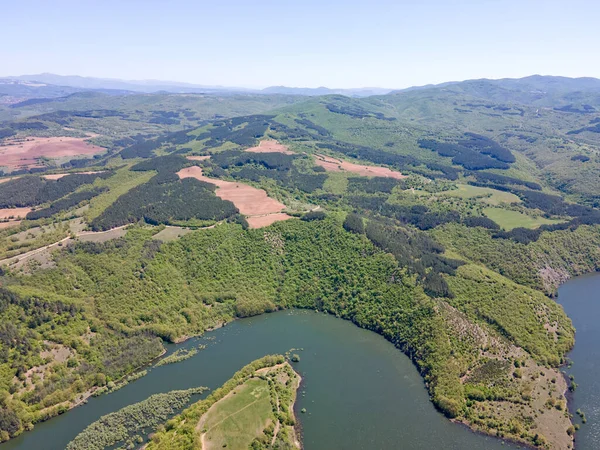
(580, 297)
(360, 392)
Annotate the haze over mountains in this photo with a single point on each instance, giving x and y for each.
(522, 90)
(152, 86)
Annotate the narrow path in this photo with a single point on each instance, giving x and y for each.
(30, 253)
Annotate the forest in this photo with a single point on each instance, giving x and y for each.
(417, 260)
(472, 154)
(64, 203)
(166, 202)
(35, 190)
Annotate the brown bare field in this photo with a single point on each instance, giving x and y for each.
(198, 158)
(270, 146)
(249, 200)
(58, 176)
(6, 213)
(336, 165)
(25, 153)
(266, 220)
(4, 180)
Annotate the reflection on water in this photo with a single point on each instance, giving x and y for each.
(580, 298)
(359, 391)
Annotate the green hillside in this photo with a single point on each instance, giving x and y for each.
(442, 218)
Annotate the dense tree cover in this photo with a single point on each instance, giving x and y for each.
(486, 146)
(145, 148)
(555, 205)
(96, 160)
(231, 130)
(354, 223)
(584, 109)
(591, 129)
(275, 166)
(417, 252)
(181, 432)
(34, 190)
(132, 291)
(480, 221)
(209, 276)
(493, 178)
(468, 157)
(312, 126)
(165, 117)
(166, 202)
(313, 215)
(417, 215)
(124, 427)
(164, 121)
(356, 111)
(33, 125)
(300, 133)
(403, 162)
(582, 158)
(6, 133)
(167, 164)
(541, 264)
(273, 160)
(65, 203)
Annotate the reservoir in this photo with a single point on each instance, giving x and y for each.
(580, 298)
(359, 391)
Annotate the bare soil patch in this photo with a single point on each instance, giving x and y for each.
(4, 180)
(266, 220)
(198, 158)
(249, 200)
(337, 165)
(270, 146)
(58, 176)
(7, 213)
(25, 153)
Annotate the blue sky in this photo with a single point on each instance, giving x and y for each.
(308, 43)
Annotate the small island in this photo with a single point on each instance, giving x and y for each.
(254, 409)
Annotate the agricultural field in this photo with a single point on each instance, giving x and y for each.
(486, 195)
(441, 224)
(254, 408)
(508, 219)
(28, 153)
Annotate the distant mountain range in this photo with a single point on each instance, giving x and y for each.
(535, 90)
(152, 86)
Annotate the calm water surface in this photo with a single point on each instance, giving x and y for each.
(580, 298)
(360, 391)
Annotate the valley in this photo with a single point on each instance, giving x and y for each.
(442, 219)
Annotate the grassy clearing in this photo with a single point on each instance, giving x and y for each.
(487, 195)
(254, 409)
(336, 182)
(170, 233)
(512, 219)
(236, 420)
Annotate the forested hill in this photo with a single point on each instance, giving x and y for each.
(442, 219)
(535, 90)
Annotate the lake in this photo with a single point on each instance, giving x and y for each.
(360, 391)
(580, 298)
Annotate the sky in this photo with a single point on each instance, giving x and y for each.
(301, 43)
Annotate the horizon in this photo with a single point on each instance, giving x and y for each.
(342, 44)
(157, 82)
